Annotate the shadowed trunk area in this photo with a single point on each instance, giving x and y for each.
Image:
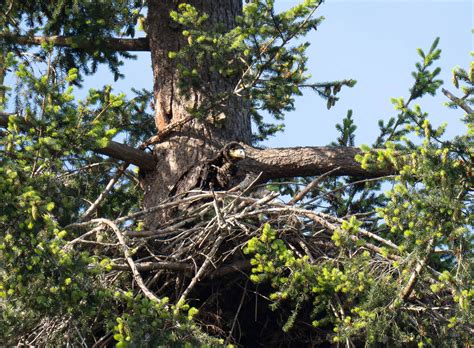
(198, 140)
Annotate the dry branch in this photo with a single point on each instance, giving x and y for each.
(109, 44)
(273, 163)
(408, 288)
(100, 199)
(311, 186)
(201, 271)
(153, 266)
(136, 274)
(201, 245)
(459, 102)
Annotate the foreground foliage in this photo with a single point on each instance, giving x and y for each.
(340, 262)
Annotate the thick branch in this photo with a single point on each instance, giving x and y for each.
(240, 266)
(273, 163)
(459, 102)
(141, 159)
(119, 151)
(126, 251)
(152, 266)
(305, 161)
(111, 44)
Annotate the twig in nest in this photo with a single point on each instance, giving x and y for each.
(201, 271)
(107, 189)
(220, 220)
(231, 205)
(169, 204)
(313, 184)
(136, 275)
(244, 293)
(83, 236)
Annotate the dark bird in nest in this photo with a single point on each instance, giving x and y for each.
(217, 174)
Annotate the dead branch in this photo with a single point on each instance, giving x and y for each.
(244, 293)
(77, 43)
(459, 102)
(201, 271)
(364, 232)
(136, 274)
(311, 186)
(83, 236)
(153, 266)
(272, 163)
(93, 207)
(165, 132)
(408, 289)
(224, 270)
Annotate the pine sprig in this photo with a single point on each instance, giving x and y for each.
(259, 58)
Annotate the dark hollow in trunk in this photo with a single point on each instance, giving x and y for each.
(197, 141)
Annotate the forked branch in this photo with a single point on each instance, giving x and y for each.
(273, 163)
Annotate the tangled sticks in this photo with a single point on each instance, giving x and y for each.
(191, 243)
(205, 242)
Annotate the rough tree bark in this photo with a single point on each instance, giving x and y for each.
(273, 163)
(197, 141)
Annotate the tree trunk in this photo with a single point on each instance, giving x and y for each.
(198, 140)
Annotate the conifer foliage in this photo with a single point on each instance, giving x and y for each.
(318, 259)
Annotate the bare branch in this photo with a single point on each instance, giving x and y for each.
(273, 163)
(321, 219)
(305, 161)
(136, 274)
(119, 151)
(457, 101)
(363, 232)
(110, 44)
(201, 270)
(408, 289)
(103, 194)
(244, 293)
(313, 184)
(152, 266)
(235, 267)
(83, 236)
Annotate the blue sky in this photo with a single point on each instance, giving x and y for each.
(373, 42)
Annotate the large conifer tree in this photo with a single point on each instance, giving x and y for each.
(95, 252)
